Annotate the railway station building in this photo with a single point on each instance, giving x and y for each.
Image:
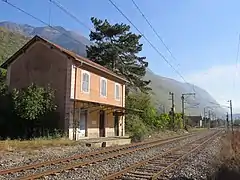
(90, 99)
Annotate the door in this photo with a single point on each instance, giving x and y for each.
(116, 125)
(102, 123)
(83, 122)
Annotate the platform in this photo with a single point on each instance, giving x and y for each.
(105, 141)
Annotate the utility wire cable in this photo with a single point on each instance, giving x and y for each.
(156, 33)
(149, 42)
(58, 4)
(154, 30)
(236, 63)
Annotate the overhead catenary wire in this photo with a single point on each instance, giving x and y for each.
(60, 6)
(149, 42)
(154, 47)
(236, 64)
(157, 34)
(154, 30)
(164, 58)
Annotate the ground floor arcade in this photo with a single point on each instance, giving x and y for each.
(93, 120)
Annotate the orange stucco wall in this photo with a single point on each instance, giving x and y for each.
(94, 94)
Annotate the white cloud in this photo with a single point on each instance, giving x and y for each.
(219, 82)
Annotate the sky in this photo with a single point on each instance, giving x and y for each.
(201, 34)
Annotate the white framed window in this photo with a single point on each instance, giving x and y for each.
(85, 83)
(103, 87)
(117, 91)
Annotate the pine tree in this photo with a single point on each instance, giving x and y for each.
(116, 48)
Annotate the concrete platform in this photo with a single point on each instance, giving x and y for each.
(106, 141)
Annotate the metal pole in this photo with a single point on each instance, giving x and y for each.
(173, 115)
(204, 112)
(227, 122)
(172, 108)
(184, 120)
(231, 114)
(209, 116)
(184, 124)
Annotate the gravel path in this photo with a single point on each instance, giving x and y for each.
(101, 169)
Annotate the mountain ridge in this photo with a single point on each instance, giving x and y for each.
(77, 43)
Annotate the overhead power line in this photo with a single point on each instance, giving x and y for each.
(156, 33)
(149, 42)
(154, 47)
(58, 4)
(236, 63)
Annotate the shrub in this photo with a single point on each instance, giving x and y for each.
(33, 102)
(25, 112)
(136, 128)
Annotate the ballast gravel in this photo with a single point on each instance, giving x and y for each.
(102, 169)
(197, 166)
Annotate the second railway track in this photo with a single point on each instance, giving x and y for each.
(155, 167)
(35, 171)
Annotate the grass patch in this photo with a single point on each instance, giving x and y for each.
(227, 164)
(38, 143)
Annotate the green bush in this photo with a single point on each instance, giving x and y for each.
(26, 113)
(163, 121)
(147, 120)
(33, 102)
(136, 128)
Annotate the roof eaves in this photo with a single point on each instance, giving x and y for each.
(100, 69)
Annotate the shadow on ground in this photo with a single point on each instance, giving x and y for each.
(181, 178)
(225, 174)
(222, 174)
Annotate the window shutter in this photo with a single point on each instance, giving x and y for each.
(103, 87)
(85, 82)
(117, 91)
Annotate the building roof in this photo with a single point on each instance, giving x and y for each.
(62, 50)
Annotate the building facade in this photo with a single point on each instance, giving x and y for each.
(90, 99)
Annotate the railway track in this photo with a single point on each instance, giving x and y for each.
(155, 167)
(35, 171)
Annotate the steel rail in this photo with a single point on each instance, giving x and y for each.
(90, 154)
(192, 147)
(95, 160)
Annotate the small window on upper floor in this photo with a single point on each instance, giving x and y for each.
(103, 87)
(117, 91)
(85, 82)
